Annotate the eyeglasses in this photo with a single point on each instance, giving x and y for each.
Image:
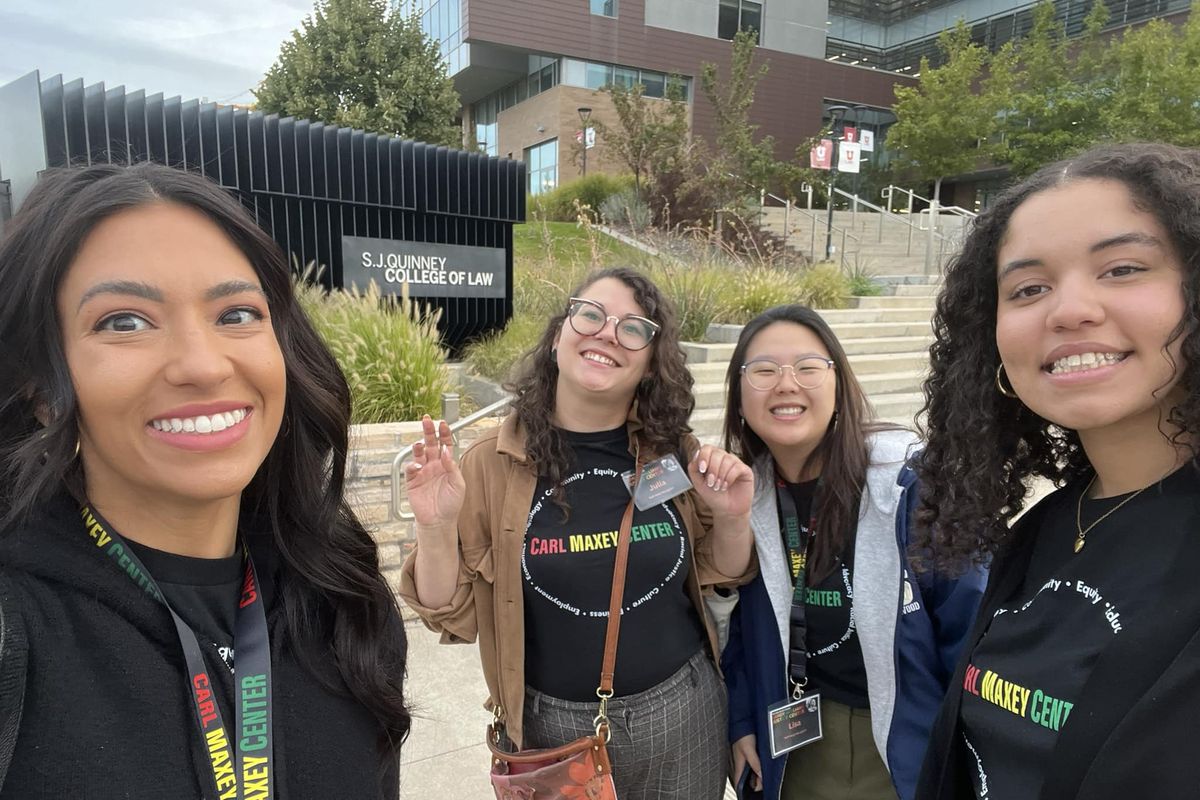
(588, 318)
(808, 372)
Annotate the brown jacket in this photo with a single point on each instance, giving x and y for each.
(488, 603)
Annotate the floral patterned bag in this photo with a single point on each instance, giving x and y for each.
(578, 770)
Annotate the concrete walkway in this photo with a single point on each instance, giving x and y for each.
(444, 757)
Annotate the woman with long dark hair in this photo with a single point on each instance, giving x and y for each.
(203, 615)
(517, 549)
(836, 636)
(1066, 348)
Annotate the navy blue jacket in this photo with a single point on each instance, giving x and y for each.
(910, 627)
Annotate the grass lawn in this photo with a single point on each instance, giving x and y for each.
(568, 245)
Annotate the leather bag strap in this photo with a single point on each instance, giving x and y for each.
(620, 567)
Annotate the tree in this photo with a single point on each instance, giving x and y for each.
(648, 131)
(943, 119)
(737, 164)
(1155, 82)
(1052, 90)
(357, 64)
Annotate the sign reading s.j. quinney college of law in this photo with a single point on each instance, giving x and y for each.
(430, 270)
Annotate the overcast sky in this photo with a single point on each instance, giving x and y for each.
(214, 49)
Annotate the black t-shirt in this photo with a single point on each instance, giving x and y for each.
(567, 568)
(835, 662)
(203, 591)
(1042, 644)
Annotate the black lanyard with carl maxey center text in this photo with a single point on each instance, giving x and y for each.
(797, 540)
(250, 774)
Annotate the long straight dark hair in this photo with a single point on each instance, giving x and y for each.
(842, 452)
(333, 593)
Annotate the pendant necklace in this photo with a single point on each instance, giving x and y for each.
(1082, 532)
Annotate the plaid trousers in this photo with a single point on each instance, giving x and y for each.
(669, 742)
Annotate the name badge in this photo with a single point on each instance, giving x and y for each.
(662, 480)
(794, 723)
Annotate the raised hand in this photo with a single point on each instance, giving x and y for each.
(434, 483)
(724, 483)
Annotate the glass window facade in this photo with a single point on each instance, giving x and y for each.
(604, 8)
(736, 15)
(541, 163)
(442, 21)
(895, 35)
(546, 72)
(593, 75)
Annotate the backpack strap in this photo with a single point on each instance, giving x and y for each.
(14, 651)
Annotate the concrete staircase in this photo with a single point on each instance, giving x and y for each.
(886, 338)
(881, 244)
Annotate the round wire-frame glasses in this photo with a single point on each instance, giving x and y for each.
(588, 318)
(809, 372)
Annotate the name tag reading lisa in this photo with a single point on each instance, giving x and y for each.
(794, 723)
(662, 480)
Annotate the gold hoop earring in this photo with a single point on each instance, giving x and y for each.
(1000, 383)
(75, 455)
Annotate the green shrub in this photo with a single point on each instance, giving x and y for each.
(824, 286)
(388, 351)
(862, 279)
(864, 286)
(626, 208)
(542, 288)
(759, 288)
(698, 295)
(559, 203)
(496, 355)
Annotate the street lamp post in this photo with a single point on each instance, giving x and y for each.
(836, 113)
(585, 114)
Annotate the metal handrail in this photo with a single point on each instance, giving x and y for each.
(406, 453)
(887, 192)
(789, 206)
(885, 214)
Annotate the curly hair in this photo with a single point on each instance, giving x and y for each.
(983, 446)
(663, 398)
(334, 594)
(842, 452)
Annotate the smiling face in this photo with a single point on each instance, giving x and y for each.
(598, 365)
(1089, 294)
(179, 378)
(790, 420)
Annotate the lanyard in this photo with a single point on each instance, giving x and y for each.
(797, 540)
(254, 759)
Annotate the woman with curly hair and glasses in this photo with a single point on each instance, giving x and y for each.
(1066, 349)
(517, 548)
(836, 619)
(202, 615)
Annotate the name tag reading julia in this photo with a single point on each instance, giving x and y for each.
(662, 480)
(794, 723)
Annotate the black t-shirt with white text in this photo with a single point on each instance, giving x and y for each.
(1028, 671)
(567, 567)
(204, 592)
(835, 662)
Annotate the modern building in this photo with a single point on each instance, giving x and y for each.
(524, 68)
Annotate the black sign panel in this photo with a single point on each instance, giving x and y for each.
(430, 270)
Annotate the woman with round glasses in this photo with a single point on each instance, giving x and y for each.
(517, 547)
(835, 627)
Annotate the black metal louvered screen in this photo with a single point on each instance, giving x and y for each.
(308, 184)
